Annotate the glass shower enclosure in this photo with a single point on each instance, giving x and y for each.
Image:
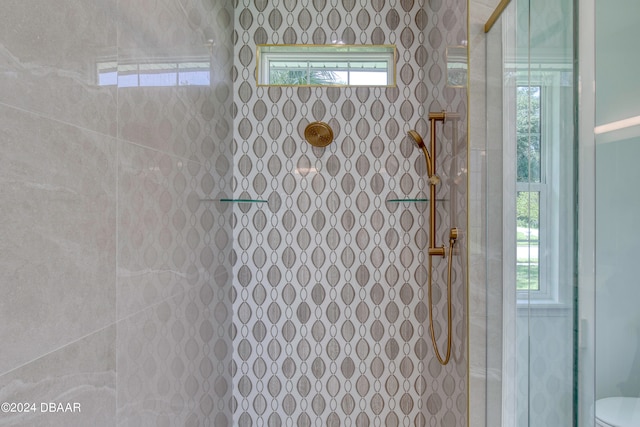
(531, 138)
(569, 134)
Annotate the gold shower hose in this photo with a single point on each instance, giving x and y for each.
(445, 360)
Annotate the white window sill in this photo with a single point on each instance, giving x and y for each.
(543, 308)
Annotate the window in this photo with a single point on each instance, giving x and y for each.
(326, 65)
(530, 188)
(544, 184)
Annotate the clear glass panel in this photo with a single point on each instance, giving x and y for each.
(545, 213)
(535, 49)
(500, 391)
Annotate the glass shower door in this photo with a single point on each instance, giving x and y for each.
(536, 95)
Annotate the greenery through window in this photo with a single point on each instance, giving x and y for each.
(530, 190)
(528, 134)
(335, 75)
(322, 65)
(302, 77)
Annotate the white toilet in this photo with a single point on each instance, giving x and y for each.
(618, 412)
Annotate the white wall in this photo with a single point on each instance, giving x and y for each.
(617, 201)
(618, 287)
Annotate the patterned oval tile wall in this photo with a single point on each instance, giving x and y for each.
(330, 315)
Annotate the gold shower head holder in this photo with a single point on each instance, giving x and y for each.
(318, 134)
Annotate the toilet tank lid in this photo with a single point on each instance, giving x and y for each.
(619, 411)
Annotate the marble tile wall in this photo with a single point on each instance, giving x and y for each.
(330, 286)
(114, 262)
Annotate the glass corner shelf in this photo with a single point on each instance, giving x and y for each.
(235, 200)
(418, 200)
(243, 200)
(407, 200)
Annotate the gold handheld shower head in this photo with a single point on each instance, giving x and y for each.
(420, 142)
(417, 138)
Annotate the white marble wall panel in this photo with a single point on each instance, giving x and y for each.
(161, 228)
(102, 213)
(48, 57)
(57, 274)
(185, 119)
(81, 377)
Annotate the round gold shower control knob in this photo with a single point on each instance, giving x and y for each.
(318, 134)
(434, 180)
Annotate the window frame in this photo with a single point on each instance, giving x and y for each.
(551, 204)
(267, 54)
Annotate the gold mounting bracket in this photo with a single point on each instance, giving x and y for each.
(437, 251)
